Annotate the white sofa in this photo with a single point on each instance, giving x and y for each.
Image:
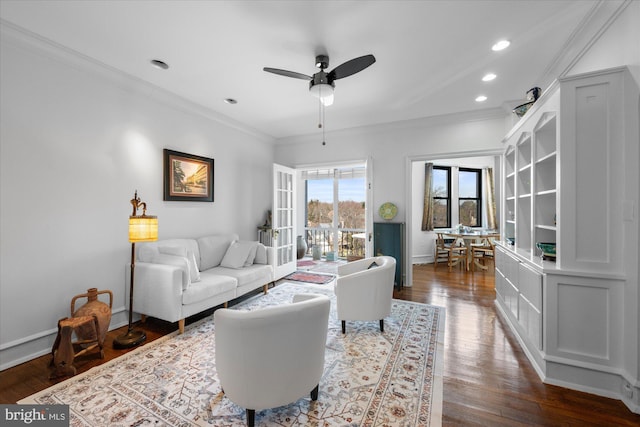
(177, 278)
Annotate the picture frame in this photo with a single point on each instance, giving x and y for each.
(187, 177)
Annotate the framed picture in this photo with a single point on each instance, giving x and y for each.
(187, 177)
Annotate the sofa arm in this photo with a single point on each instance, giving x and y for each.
(271, 255)
(157, 290)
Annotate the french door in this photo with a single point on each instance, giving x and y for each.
(338, 217)
(283, 220)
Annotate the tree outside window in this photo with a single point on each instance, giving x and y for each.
(441, 197)
(470, 197)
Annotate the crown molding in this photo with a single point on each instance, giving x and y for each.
(16, 36)
(411, 124)
(597, 21)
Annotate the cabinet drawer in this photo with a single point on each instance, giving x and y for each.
(507, 265)
(530, 285)
(500, 281)
(530, 319)
(511, 297)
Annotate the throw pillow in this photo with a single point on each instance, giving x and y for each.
(213, 248)
(261, 254)
(252, 254)
(194, 274)
(238, 254)
(178, 261)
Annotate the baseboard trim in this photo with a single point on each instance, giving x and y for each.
(25, 349)
(592, 379)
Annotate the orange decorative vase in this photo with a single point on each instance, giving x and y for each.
(94, 307)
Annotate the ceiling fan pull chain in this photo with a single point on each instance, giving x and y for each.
(323, 124)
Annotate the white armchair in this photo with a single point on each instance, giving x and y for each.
(364, 290)
(273, 356)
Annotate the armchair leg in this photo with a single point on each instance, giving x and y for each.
(381, 325)
(251, 417)
(314, 393)
(344, 327)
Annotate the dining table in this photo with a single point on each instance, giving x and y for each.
(470, 236)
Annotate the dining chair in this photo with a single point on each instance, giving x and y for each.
(484, 252)
(451, 252)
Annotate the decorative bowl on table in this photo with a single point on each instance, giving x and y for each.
(548, 250)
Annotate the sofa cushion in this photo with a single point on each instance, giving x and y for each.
(247, 274)
(213, 248)
(261, 254)
(194, 274)
(209, 286)
(147, 250)
(239, 254)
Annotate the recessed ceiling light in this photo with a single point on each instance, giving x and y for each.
(481, 98)
(502, 44)
(230, 101)
(489, 77)
(159, 64)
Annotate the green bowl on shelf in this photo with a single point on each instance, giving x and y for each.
(521, 110)
(548, 249)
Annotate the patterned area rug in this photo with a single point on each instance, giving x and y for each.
(305, 276)
(305, 263)
(370, 379)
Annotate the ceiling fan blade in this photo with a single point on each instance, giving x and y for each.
(287, 73)
(351, 67)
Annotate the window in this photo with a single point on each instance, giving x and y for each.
(470, 197)
(441, 197)
(335, 210)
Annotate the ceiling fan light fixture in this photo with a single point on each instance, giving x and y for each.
(322, 91)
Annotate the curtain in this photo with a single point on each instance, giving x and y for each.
(492, 223)
(427, 209)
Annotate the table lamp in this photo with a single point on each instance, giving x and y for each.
(142, 228)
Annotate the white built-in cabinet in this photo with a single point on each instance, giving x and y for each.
(565, 174)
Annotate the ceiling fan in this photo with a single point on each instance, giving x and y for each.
(321, 84)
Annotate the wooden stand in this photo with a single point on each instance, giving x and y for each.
(63, 350)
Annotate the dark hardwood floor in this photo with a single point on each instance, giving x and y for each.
(488, 380)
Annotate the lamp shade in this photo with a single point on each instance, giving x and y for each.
(324, 92)
(143, 228)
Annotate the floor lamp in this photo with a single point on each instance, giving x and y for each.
(142, 228)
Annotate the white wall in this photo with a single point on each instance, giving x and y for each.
(391, 145)
(76, 141)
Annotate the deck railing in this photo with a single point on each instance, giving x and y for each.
(351, 241)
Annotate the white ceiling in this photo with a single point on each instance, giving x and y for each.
(431, 55)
